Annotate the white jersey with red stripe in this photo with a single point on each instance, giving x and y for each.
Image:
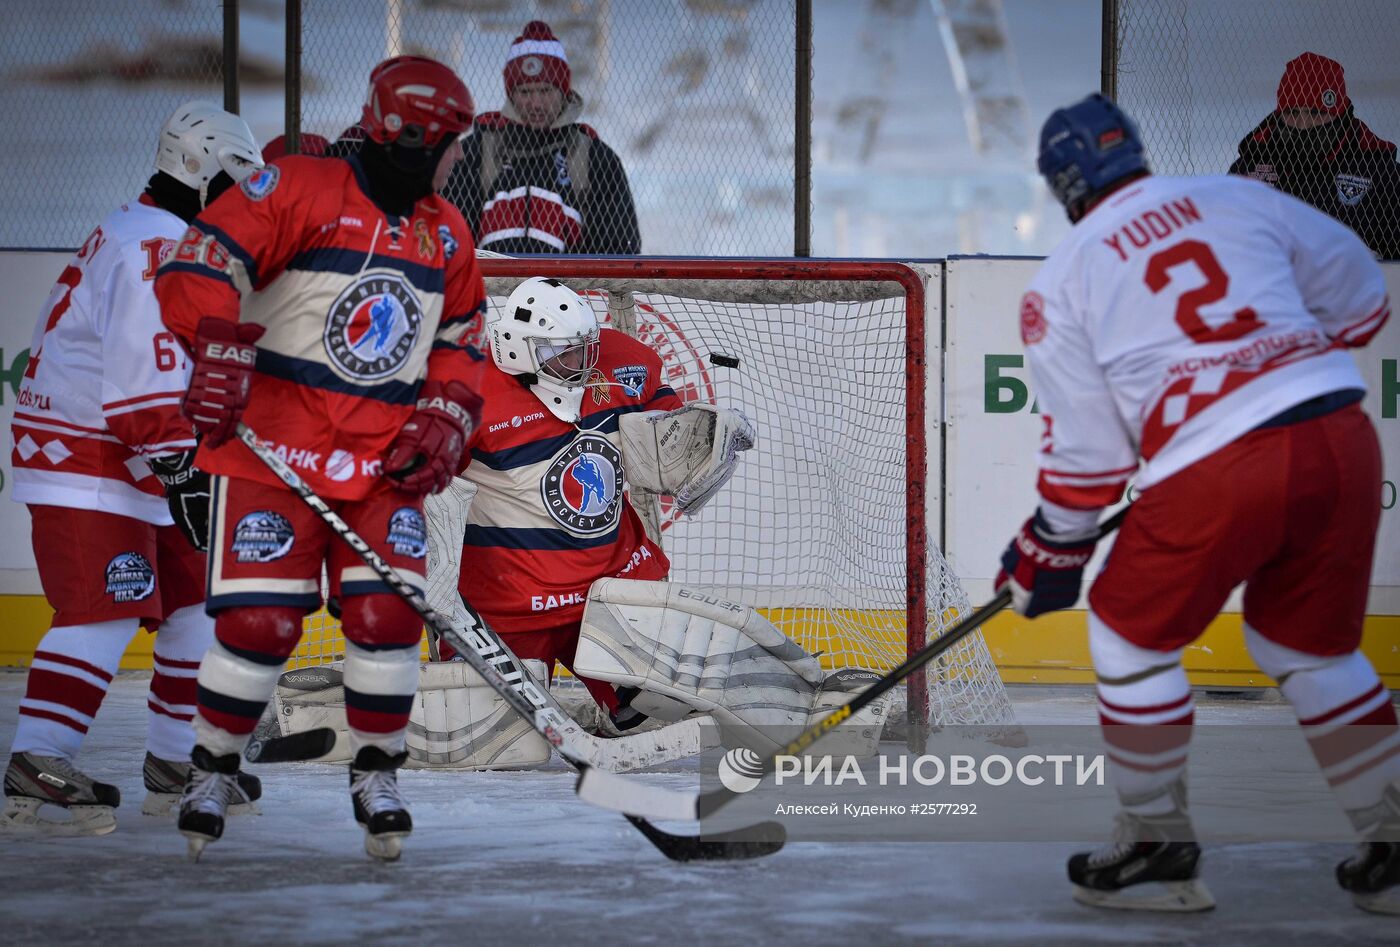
(102, 389)
(1180, 314)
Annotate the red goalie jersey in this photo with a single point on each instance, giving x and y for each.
(359, 310)
(550, 515)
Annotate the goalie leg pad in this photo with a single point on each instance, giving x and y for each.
(711, 654)
(459, 722)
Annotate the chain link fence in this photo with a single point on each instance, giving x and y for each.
(1302, 95)
(87, 86)
(695, 98)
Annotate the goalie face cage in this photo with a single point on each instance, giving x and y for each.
(824, 526)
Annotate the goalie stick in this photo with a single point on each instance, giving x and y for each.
(487, 655)
(610, 792)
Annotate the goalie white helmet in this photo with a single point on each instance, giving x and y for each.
(547, 331)
(199, 140)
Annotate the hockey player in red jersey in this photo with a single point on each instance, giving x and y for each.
(327, 302)
(103, 459)
(550, 516)
(1199, 326)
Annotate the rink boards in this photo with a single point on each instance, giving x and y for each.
(978, 494)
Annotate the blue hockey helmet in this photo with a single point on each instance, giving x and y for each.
(1085, 148)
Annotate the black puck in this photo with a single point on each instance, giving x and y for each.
(724, 361)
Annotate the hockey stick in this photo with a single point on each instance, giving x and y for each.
(485, 652)
(608, 792)
(292, 748)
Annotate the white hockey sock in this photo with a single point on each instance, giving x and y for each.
(1346, 715)
(233, 690)
(380, 683)
(72, 669)
(1146, 712)
(180, 644)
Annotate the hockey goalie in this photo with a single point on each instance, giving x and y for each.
(575, 414)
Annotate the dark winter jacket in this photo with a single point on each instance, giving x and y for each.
(1341, 168)
(552, 190)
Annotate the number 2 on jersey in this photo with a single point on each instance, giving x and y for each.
(1188, 307)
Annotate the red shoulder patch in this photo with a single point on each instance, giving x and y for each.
(492, 120)
(1033, 325)
(587, 130)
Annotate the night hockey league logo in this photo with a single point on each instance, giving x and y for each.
(1351, 188)
(130, 577)
(373, 326)
(262, 536)
(408, 533)
(261, 182)
(1033, 325)
(632, 378)
(582, 488)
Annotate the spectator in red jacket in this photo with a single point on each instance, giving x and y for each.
(1314, 147)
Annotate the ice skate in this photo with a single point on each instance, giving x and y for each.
(212, 788)
(33, 782)
(379, 806)
(1372, 876)
(165, 783)
(1142, 870)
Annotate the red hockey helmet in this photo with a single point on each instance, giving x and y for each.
(415, 101)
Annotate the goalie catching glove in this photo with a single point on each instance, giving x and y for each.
(1044, 568)
(688, 453)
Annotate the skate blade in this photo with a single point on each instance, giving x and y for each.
(162, 804)
(195, 843)
(1386, 902)
(24, 816)
(386, 846)
(1167, 896)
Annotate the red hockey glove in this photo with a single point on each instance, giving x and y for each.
(224, 356)
(428, 450)
(1045, 569)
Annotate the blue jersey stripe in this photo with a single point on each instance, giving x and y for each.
(505, 537)
(231, 245)
(426, 279)
(203, 269)
(600, 422)
(300, 371)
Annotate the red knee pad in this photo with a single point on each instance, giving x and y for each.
(379, 620)
(273, 630)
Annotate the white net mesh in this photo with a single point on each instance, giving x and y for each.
(812, 529)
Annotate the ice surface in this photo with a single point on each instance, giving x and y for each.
(502, 857)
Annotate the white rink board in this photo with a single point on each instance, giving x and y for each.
(25, 281)
(991, 450)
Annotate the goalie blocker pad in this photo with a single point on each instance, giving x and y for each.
(689, 650)
(457, 721)
(688, 453)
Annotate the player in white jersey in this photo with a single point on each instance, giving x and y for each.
(103, 459)
(1200, 326)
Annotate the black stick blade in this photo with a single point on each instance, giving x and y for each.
(292, 748)
(754, 841)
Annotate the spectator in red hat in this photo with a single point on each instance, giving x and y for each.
(1314, 147)
(534, 179)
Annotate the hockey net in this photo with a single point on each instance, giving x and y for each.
(824, 526)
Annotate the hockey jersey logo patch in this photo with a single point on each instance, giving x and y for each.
(130, 577)
(1032, 318)
(408, 533)
(582, 488)
(262, 536)
(1352, 188)
(260, 183)
(632, 378)
(373, 327)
